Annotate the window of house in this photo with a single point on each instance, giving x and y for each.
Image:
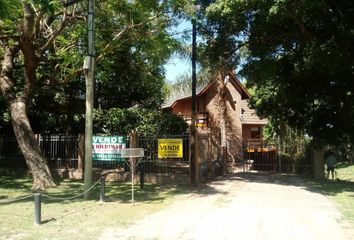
(242, 112)
(255, 132)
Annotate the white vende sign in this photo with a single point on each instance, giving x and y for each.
(108, 148)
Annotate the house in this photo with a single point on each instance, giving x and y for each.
(241, 122)
(252, 125)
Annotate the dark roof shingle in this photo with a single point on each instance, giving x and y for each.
(249, 115)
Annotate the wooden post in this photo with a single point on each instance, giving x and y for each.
(194, 174)
(133, 144)
(133, 141)
(223, 158)
(81, 155)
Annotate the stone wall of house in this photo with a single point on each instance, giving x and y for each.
(234, 129)
(246, 131)
(209, 103)
(233, 122)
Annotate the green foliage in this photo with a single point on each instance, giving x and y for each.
(223, 33)
(144, 122)
(131, 47)
(125, 80)
(9, 10)
(299, 57)
(131, 72)
(300, 60)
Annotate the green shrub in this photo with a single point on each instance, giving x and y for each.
(143, 121)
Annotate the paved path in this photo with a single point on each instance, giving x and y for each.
(242, 207)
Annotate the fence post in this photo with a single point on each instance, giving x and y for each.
(102, 191)
(279, 153)
(37, 208)
(141, 176)
(81, 154)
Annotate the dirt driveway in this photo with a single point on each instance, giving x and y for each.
(242, 207)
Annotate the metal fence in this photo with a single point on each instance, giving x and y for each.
(152, 164)
(264, 156)
(10, 153)
(59, 150)
(62, 151)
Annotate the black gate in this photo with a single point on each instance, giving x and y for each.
(260, 155)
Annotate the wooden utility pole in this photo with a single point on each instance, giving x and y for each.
(194, 178)
(90, 66)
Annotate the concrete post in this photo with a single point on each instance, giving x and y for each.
(37, 208)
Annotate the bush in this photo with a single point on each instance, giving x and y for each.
(143, 121)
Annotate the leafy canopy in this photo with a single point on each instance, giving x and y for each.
(299, 58)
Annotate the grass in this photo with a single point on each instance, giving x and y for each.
(77, 219)
(341, 190)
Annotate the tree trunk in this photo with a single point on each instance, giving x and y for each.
(29, 147)
(28, 46)
(222, 119)
(318, 164)
(22, 128)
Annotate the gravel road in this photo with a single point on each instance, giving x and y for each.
(243, 206)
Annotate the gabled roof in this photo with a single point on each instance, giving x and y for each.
(180, 93)
(249, 116)
(239, 86)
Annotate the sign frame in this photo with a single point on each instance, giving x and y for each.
(108, 148)
(170, 148)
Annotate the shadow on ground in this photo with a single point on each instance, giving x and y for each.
(12, 187)
(69, 191)
(328, 187)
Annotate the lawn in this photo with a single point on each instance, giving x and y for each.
(80, 219)
(341, 190)
(77, 218)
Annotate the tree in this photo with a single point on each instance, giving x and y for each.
(131, 72)
(219, 52)
(300, 58)
(144, 122)
(42, 57)
(27, 34)
(132, 45)
(301, 61)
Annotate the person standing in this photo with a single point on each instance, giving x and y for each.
(330, 164)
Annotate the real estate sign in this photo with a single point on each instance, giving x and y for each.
(170, 148)
(108, 148)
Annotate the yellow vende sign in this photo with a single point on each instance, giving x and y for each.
(170, 148)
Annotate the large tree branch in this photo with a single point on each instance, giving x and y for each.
(6, 83)
(28, 21)
(38, 23)
(120, 34)
(53, 36)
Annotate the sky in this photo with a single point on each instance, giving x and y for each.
(178, 65)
